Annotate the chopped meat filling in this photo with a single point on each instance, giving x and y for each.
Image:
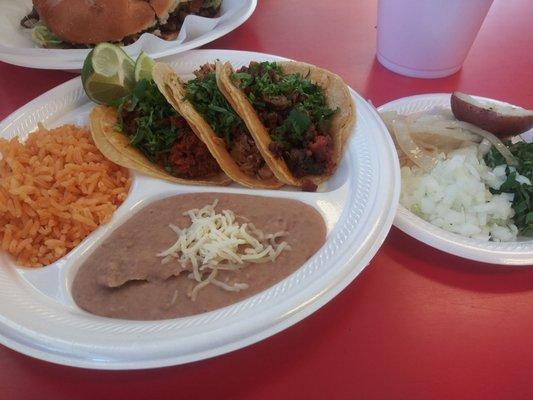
(308, 186)
(271, 120)
(190, 158)
(170, 29)
(205, 70)
(244, 152)
(279, 102)
(187, 157)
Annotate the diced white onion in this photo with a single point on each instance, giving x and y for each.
(454, 196)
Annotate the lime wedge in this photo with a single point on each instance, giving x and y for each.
(107, 59)
(143, 67)
(104, 90)
(87, 69)
(108, 73)
(126, 73)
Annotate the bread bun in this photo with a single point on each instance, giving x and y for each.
(95, 21)
(163, 8)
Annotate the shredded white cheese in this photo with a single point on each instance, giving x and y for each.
(217, 241)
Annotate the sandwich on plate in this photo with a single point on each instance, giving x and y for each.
(83, 23)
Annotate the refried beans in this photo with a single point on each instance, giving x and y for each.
(124, 278)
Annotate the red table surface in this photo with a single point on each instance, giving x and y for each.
(417, 323)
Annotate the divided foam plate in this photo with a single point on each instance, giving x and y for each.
(38, 316)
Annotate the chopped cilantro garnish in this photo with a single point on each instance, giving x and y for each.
(206, 98)
(295, 125)
(145, 117)
(523, 193)
(303, 104)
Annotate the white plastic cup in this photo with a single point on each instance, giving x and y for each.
(427, 38)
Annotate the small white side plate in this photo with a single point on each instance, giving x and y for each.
(509, 253)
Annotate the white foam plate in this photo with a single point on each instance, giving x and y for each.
(38, 316)
(509, 253)
(17, 47)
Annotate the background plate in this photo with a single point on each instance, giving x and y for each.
(16, 46)
(511, 253)
(38, 316)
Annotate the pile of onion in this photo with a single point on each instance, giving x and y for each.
(420, 137)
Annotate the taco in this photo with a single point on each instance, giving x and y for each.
(213, 119)
(299, 115)
(145, 133)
